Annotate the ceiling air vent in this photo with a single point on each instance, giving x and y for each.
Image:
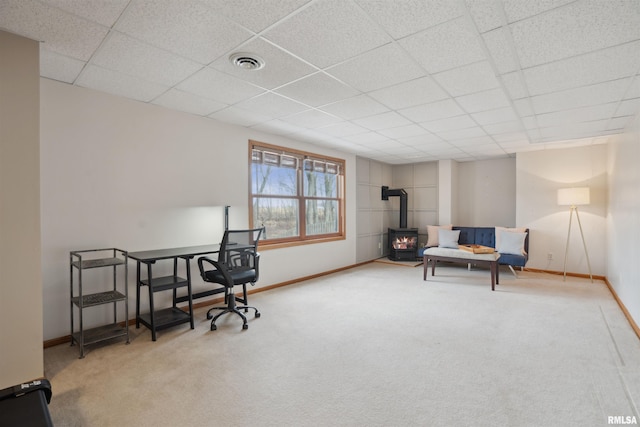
(247, 61)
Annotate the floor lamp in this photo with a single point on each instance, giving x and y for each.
(574, 197)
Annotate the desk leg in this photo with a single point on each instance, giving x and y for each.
(151, 307)
(497, 273)
(187, 259)
(138, 295)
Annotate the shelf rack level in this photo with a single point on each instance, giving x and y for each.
(98, 258)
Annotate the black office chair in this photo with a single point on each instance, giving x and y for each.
(237, 264)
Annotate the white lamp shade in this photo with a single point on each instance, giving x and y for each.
(573, 196)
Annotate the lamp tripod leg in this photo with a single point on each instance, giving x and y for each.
(566, 250)
(584, 245)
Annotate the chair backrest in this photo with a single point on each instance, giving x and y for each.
(239, 247)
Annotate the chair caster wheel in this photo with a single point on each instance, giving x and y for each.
(257, 314)
(214, 327)
(245, 326)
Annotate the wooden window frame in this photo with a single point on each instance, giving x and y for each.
(301, 238)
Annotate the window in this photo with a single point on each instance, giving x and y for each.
(296, 196)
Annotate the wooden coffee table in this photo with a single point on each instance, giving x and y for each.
(458, 255)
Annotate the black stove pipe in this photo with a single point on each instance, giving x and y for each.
(399, 192)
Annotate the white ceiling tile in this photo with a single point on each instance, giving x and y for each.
(219, 87)
(523, 107)
(498, 115)
(574, 130)
(328, 32)
(272, 105)
(396, 147)
(366, 138)
(468, 79)
(377, 68)
(445, 46)
(619, 123)
(354, 108)
(343, 129)
(423, 140)
(376, 145)
(279, 127)
(452, 123)
(634, 89)
(419, 91)
(514, 141)
(510, 139)
(582, 26)
(487, 15)
(446, 150)
(473, 132)
(188, 102)
(382, 121)
(530, 122)
(255, 15)
(499, 45)
(514, 84)
(474, 142)
(497, 129)
(61, 32)
(586, 114)
(104, 12)
(580, 97)
(410, 16)
(119, 84)
(517, 10)
(317, 89)
(403, 131)
(186, 27)
(311, 119)
(432, 111)
(480, 148)
(59, 67)
(129, 56)
(595, 67)
(280, 67)
(239, 116)
(481, 101)
(628, 107)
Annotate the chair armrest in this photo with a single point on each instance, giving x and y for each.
(216, 265)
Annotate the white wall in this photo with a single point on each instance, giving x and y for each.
(21, 356)
(117, 172)
(623, 219)
(539, 175)
(487, 193)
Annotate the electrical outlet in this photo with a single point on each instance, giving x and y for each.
(549, 256)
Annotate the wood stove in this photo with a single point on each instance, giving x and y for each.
(403, 241)
(403, 244)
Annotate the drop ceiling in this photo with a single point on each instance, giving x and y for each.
(396, 81)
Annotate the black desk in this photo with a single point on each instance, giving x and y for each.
(165, 318)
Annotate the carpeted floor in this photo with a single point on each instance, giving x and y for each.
(371, 346)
